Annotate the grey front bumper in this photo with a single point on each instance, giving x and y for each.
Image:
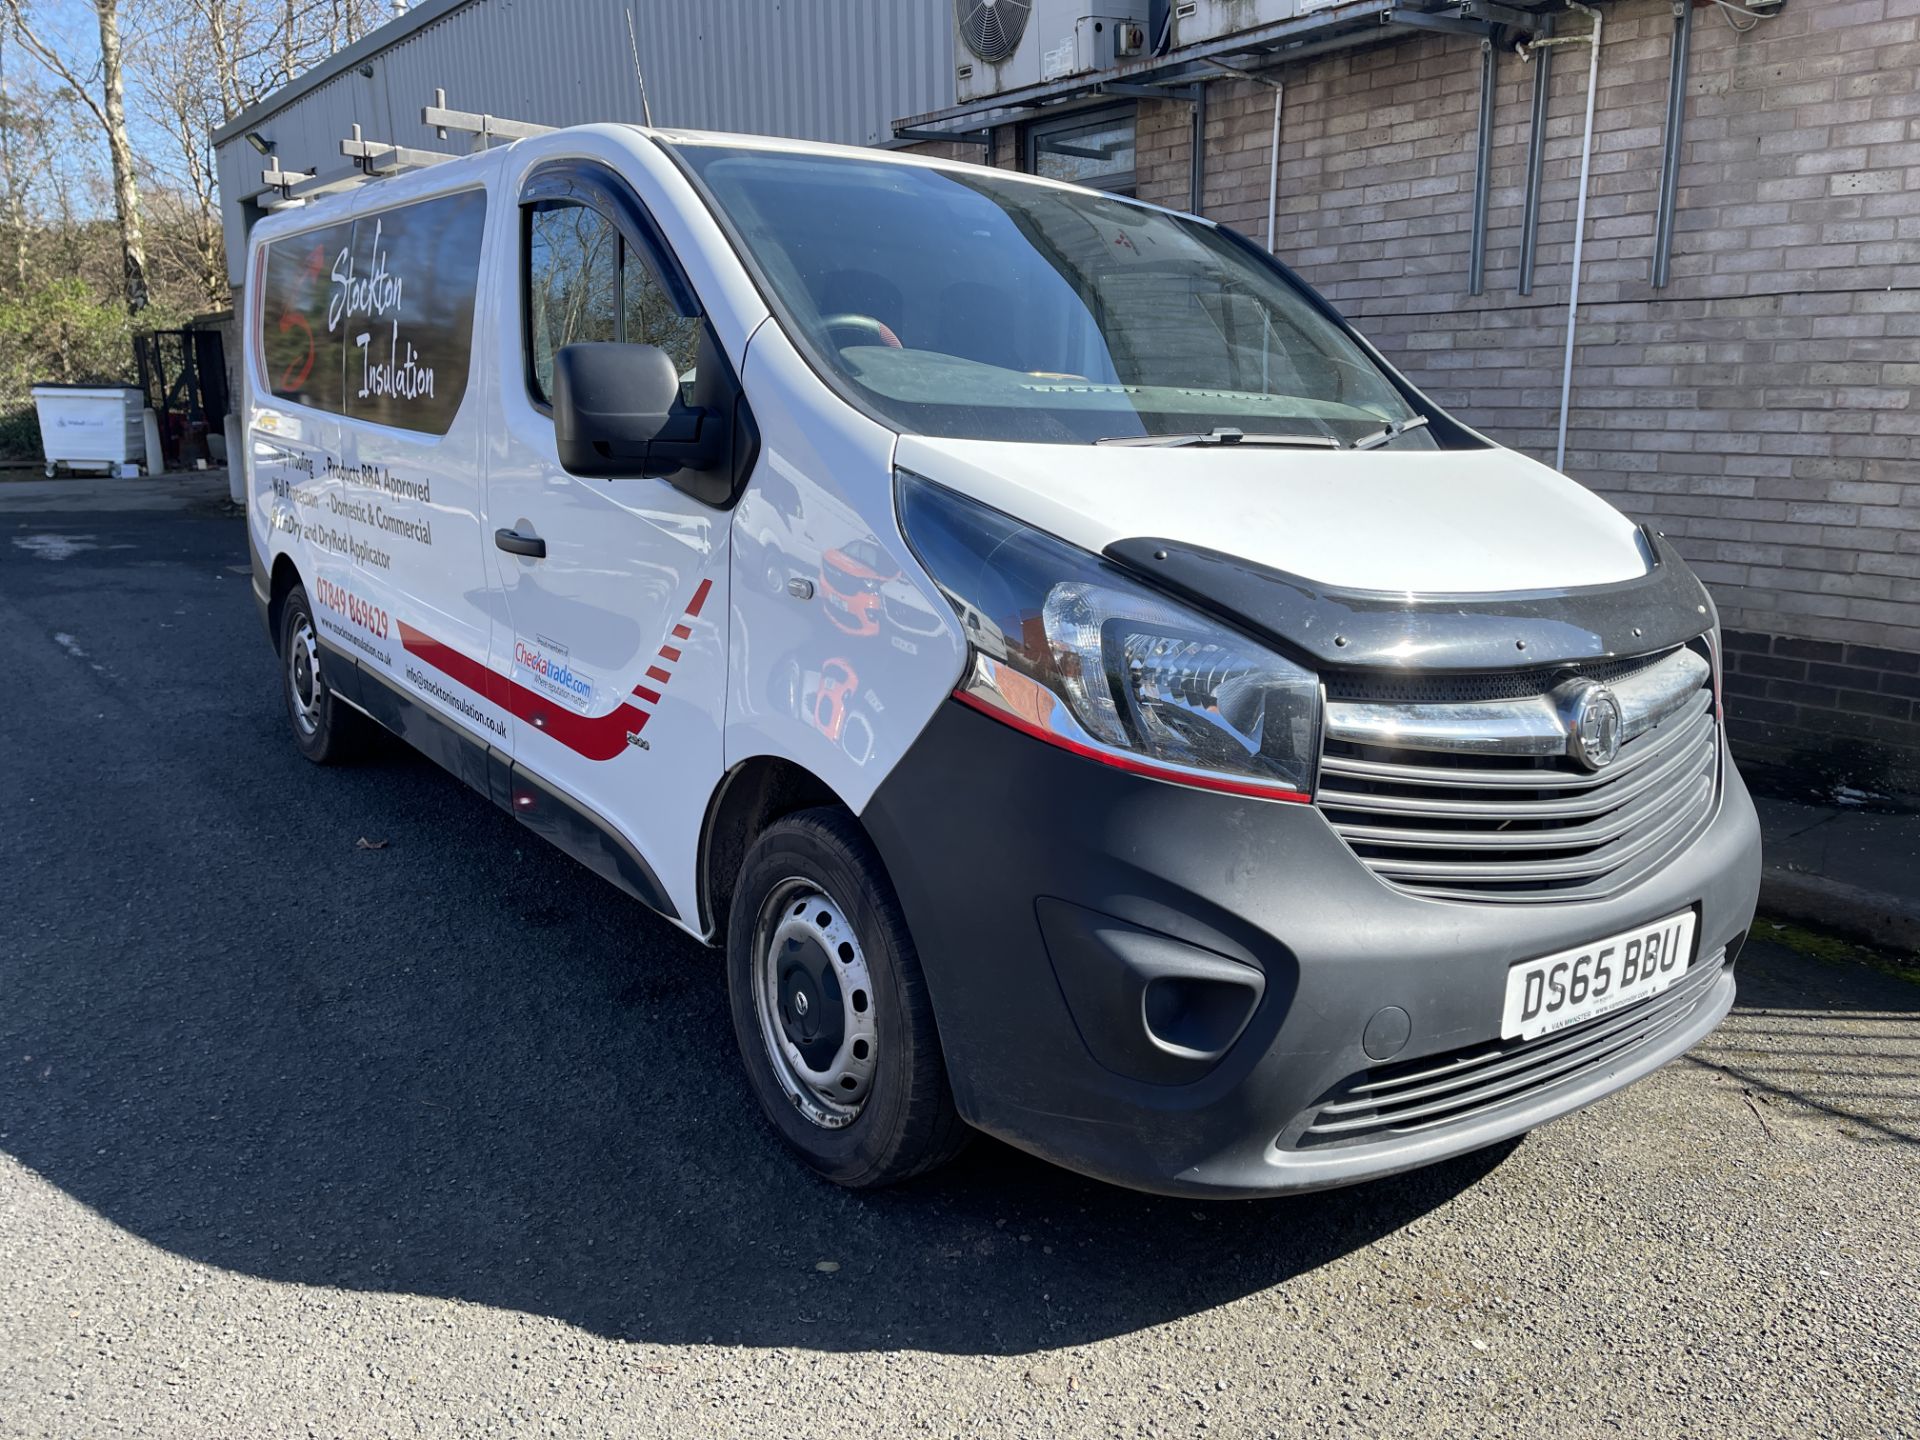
(979, 824)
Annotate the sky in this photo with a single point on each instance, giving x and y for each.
(70, 28)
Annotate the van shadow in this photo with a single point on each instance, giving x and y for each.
(460, 1065)
(1825, 1035)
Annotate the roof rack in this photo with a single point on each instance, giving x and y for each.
(485, 129)
(377, 159)
(296, 187)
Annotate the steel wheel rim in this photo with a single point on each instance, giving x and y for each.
(814, 999)
(303, 676)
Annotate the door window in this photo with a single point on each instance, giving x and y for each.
(586, 282)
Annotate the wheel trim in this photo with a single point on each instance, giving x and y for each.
(806, 956)
(304, 686)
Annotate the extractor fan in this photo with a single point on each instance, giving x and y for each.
(991, 28)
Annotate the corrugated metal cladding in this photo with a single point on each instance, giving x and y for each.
(837, 70)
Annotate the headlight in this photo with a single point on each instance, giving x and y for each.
(1072, 650)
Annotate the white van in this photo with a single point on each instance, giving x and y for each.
(1091, 696)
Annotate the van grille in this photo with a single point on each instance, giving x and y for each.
(1415, 1095)
(1446, 793)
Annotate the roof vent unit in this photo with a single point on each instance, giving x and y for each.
(1002, 45)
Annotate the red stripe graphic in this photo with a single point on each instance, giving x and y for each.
(597, 737)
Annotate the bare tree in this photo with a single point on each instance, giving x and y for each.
(10, 125)
(201, 63)
(110, 110)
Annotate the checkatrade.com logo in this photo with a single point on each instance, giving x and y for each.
(552, 669)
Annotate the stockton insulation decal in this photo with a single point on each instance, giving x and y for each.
(597, 737)
(373, 318)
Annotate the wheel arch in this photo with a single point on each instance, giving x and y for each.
(285, 576)
(750, 796)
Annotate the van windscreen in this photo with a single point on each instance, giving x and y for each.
(964, 304)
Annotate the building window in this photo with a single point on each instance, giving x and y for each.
(1090, 148)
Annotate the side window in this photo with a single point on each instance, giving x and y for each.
(652, 320)
(373, 318)
(573, 284)
(299, 350)
(584, 281)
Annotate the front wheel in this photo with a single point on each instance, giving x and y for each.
(326, 729)
(830, 1008)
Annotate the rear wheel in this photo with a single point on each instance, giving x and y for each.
(830, 1008)
(326, 729)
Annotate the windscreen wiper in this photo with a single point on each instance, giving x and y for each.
(1222, 436)
(1389, 433)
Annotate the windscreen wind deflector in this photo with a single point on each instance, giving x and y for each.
(1362, 629)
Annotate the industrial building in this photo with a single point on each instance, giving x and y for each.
(1672, 244)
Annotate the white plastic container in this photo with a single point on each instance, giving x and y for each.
(90, 427)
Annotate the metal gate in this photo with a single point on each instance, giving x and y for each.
(184, 375)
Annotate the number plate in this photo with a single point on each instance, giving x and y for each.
(1561, 990)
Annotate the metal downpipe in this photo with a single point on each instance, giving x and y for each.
(1671, 143)
(1273, 153)
(1482, 171)
(1579, 229)
(1542, 60)
(1273, 165)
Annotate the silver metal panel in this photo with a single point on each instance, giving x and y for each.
(838, 71)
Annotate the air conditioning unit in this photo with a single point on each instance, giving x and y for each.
(1198, 20)
(1002, 45)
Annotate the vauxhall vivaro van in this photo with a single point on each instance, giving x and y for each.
(1087, 692)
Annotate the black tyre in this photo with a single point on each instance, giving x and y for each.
(830, 1008)
(326, 729)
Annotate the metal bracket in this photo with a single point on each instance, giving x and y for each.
(1493, 14)
(275, 178)
(484, 128)
(378, 158)
(921, 135)
(1429, 20)
(313, 185)
(1185, 93)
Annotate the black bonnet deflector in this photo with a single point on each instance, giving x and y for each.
(1369, 629)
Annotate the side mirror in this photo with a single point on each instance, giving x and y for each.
(617, 411)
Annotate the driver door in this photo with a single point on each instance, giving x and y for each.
(610, 635)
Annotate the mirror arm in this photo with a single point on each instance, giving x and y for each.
(705, 449)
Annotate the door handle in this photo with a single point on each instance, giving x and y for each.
(514, 543)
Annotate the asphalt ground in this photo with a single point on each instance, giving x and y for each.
(447, 1137)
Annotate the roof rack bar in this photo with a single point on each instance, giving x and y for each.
(485, 128)
(313, 186)
(275, 178)
(378, 158)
